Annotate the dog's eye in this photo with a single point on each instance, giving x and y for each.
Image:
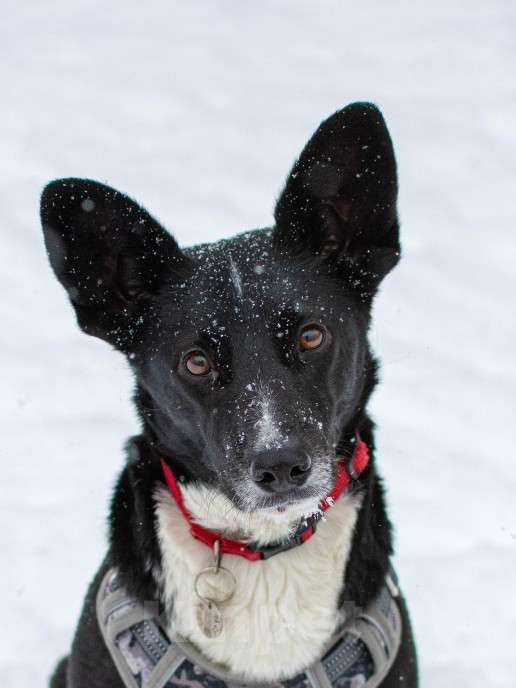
(311, 338)
(197, 364)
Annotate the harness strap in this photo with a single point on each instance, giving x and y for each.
(165, 668)
(361, 652)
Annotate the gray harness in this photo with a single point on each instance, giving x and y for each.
(359, 655)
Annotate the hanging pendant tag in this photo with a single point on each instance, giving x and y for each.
(209, 618)
(213, 585)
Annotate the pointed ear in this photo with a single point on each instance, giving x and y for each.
(110, 255)
(339, 201)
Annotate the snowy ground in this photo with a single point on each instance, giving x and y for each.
(198, 109)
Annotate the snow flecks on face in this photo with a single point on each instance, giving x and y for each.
(236, 278)
(269, 431)
(88, 205)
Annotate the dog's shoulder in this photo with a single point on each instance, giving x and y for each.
(90, 663)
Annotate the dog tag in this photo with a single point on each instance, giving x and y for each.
(213, 584)
(216, 584)
(209, 618)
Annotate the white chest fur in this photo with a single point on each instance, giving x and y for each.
(284, 609)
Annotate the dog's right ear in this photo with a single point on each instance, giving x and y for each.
(110, 255)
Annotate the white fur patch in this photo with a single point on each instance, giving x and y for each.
(284, 609)
(269, 433)
(236, 279)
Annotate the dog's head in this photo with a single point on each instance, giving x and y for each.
(250, 354)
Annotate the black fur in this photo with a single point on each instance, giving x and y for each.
(243, 302)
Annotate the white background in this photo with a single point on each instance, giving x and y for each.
(198, 109)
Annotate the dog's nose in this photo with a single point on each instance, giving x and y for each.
(280, 470)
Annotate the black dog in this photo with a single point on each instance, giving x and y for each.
(253, 373)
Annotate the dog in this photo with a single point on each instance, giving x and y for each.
(249, 539)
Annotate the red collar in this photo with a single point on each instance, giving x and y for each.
(356, 466)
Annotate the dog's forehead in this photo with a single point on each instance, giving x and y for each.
(239, 279)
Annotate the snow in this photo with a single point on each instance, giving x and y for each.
(198, 109)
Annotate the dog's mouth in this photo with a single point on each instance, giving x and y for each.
(304, 500)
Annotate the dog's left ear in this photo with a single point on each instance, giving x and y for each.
(339, 201)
